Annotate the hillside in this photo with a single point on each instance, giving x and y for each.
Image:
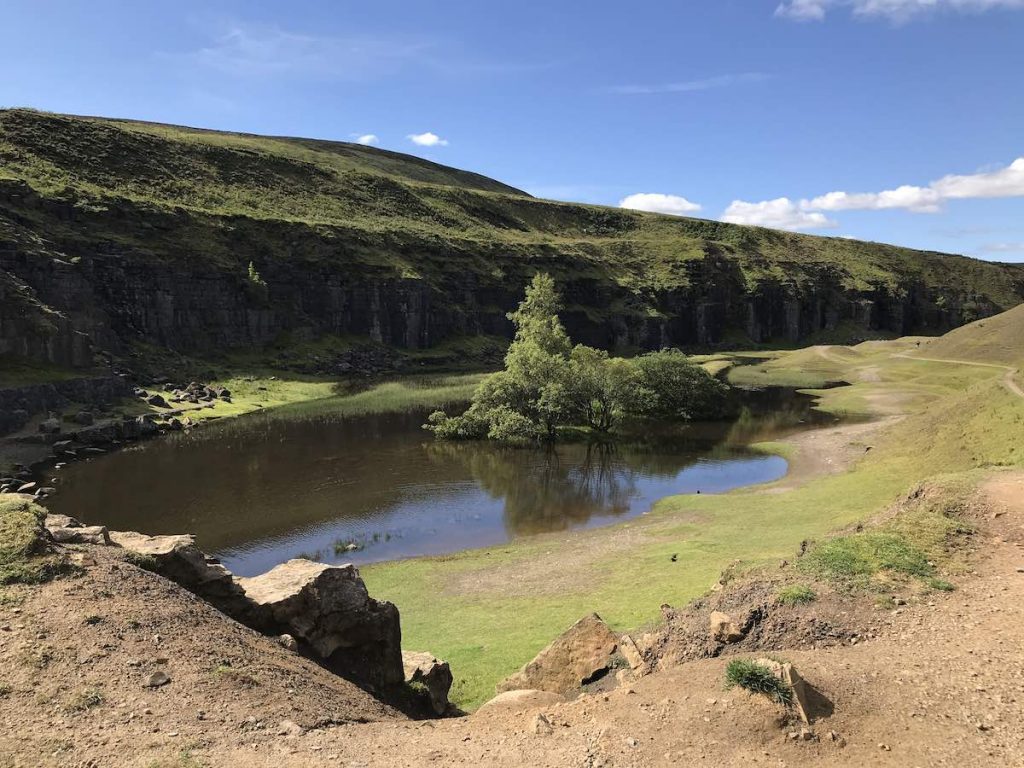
(998, 339)
(115, 233)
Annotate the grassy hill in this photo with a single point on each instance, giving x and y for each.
(998, 339)
(140, 232)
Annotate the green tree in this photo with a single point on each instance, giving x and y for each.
(547, 383)
(668, 386)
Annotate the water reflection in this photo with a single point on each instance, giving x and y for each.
(260, 490)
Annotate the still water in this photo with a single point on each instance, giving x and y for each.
(261, 489)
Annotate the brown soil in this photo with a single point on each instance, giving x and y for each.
(935, 682)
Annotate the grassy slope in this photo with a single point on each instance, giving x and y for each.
(959, 419)
(998, 339)
(383, 203)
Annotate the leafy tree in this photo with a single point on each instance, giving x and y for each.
(547, 383)
(600, 388)
(668, 386)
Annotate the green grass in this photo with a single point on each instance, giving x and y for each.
(959, 420)
(757, 678)
(866, 554)
(19, 372)
(23, 559)
(796, 594)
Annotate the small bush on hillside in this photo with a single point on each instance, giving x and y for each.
(257, 285)
(796, 594)
(757, 678)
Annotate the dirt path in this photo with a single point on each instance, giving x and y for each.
(1008, 381)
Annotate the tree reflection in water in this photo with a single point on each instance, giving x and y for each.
(560, 487)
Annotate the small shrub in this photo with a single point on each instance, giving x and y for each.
(23, 550)
(86, 699)
(757, 678)
(93, 620)
(145, 562)
(238, 676)
(796, 594)
(5, 690)
(941, 585)
(257, 285)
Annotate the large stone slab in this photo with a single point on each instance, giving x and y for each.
(180, 560)
(330, 609)
(580, 654)
(519, 701)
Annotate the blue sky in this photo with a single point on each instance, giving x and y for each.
(910, 111)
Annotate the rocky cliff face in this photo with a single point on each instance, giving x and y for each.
(115, 233)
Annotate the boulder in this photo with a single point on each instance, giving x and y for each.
(156, 679)
(78, 534)
(180, 560)
(432, 673)
(581, 654)
(723, 629)
(157, 400)
(85, 418)
(520, 701)
(631, 653)
(50, 426)
(329, 607)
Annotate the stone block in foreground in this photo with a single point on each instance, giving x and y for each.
(330, 609)
(431, 672)
(579, 655)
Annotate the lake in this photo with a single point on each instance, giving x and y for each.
(264, 488)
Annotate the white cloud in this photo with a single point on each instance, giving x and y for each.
(781, 213)
(427, 139)
(917, 199)
(688, 86)
(1002, 182)
(368, 139)
(803, 10)
(658, 203)
(895, 10)
(784, 213)
(262, 51)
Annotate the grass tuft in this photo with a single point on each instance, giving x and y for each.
(865, 555)
(757, 678)
(796, 594)
(86, 699)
